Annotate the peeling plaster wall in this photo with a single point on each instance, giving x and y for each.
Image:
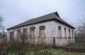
(62, 42)
(51, 30)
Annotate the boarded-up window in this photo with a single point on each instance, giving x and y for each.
(69, 33)
(42, 32)
(59, 31)
(12, 35)
(32, 29)
(72, 34)
(25, 31)
(65, 32)
(18, 33)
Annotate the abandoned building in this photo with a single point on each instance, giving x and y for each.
(49, 29)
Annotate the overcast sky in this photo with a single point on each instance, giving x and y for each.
(17, 11)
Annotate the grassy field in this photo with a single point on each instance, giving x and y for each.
(46, 52)
(77, 45)
(18, 48)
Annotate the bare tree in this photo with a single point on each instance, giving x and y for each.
(80, 32)
(81, 28)
(1, 25)
(1, 20)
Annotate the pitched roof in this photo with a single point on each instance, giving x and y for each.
(49, 17)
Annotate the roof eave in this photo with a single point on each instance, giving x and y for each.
(64, 23)
(44, 21)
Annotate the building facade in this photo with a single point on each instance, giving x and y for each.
(48, 29)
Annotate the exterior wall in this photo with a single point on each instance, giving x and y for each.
(63, 41)
(51, 32)
(8, 34)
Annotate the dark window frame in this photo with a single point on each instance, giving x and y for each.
(69, 30)
(24, 30)
(19, 30)
(11, 35)
(72, 33)
(42, 27)
(32, 28)
(59, 28)
(64, 29)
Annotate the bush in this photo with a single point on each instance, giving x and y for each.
(17, 47)
(3, 47)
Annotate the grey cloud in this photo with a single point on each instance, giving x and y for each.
(17, 11)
